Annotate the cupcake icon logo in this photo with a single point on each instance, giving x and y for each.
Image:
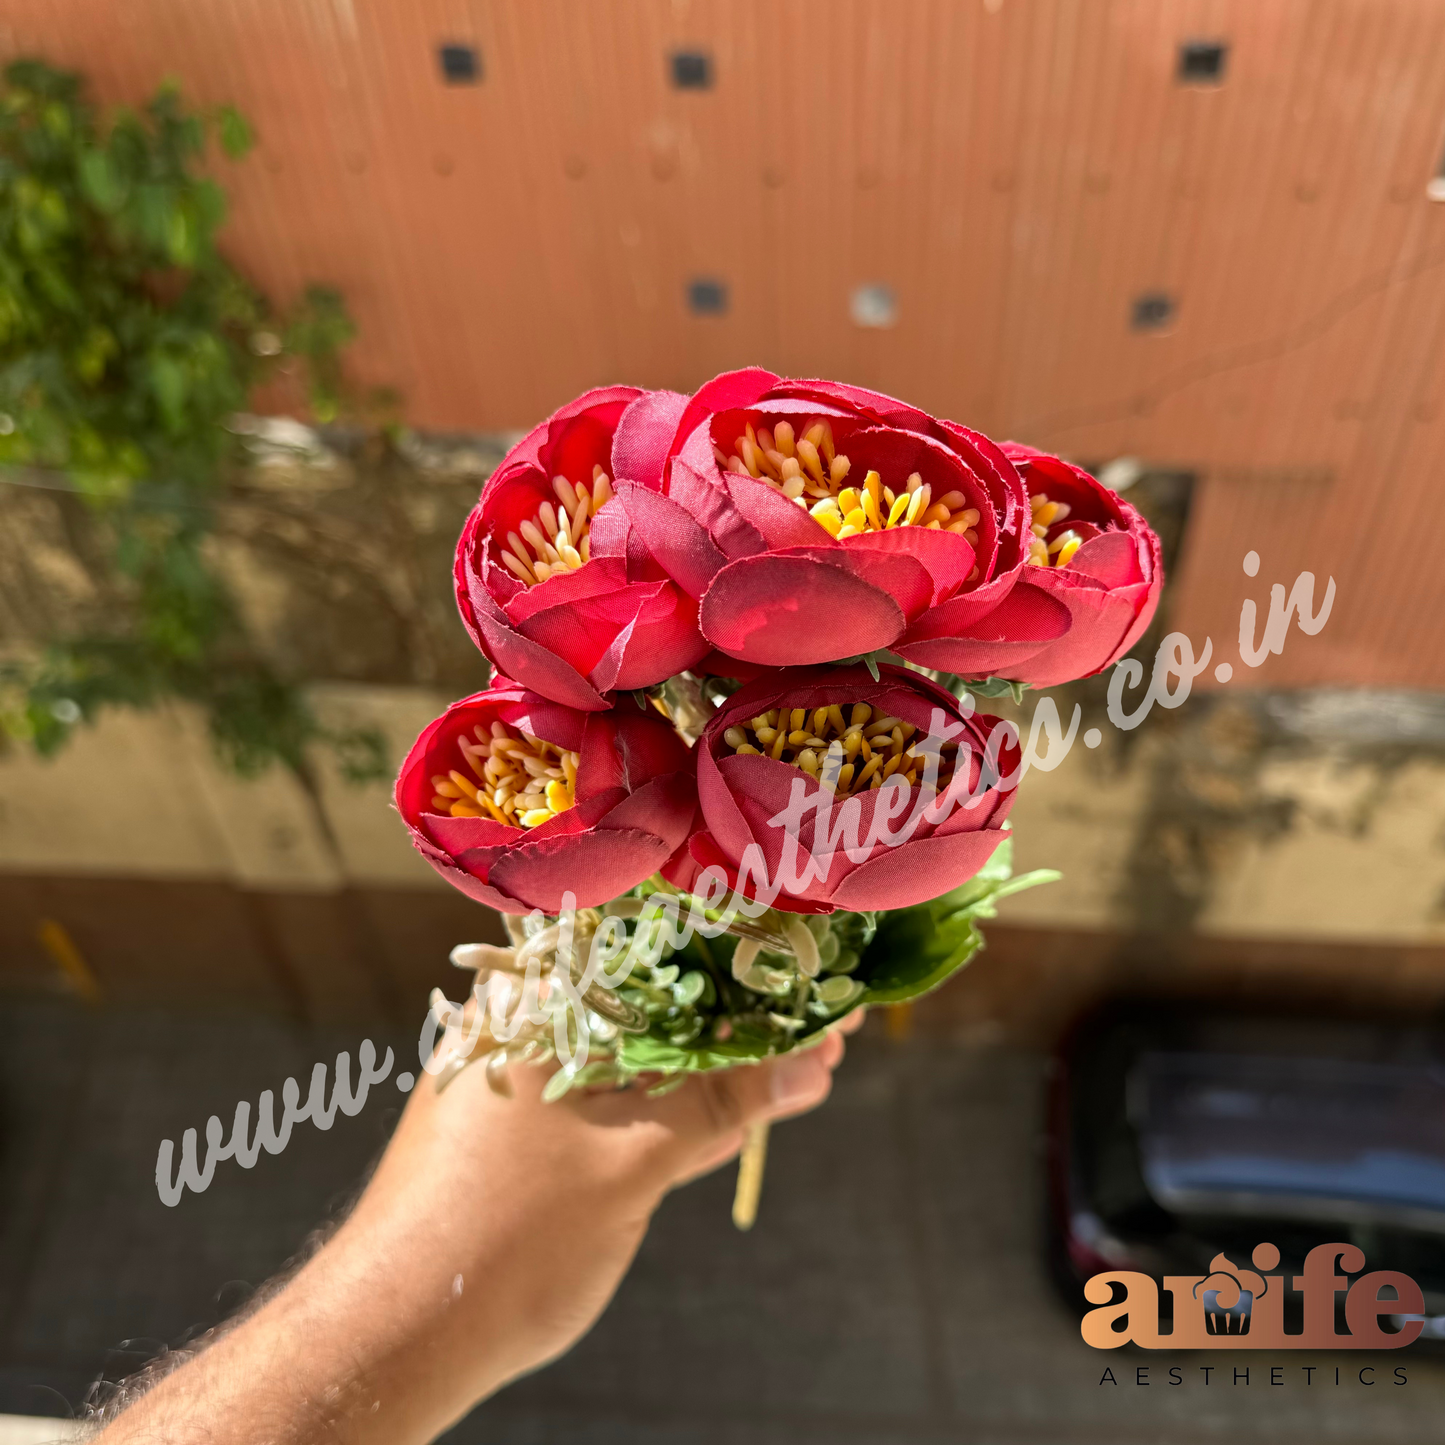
(1229, 1293)
(1236, 1307)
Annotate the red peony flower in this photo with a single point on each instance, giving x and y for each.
(850, 737)
(553, 584)
(813, 521)
(517, 800)
(1091, 552)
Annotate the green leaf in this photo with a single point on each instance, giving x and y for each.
(996, 687)
(210, 203)
(690, 987)
(181, 236)
(96, 348)
(868, 659)
(325, 404)
(642, 1053)
(100, 183)
(168, 385)
(148, 216)
(913, 952)
(916, 949)
(56, 119)
(235, 132)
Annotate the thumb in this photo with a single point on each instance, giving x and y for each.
(705, 1119)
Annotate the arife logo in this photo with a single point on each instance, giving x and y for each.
(1238, 1309)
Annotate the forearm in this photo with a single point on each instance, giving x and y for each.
(414, 1310)
(305, 1367)
(491, 1237)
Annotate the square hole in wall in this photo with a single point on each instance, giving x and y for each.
(1201, 62)
(707, 297)
(1152, 311)
(461, 64)
(874, 305)
(691, 70)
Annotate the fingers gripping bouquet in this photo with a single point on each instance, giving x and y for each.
(714, 819)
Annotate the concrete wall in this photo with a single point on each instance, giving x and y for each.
(1217, 836)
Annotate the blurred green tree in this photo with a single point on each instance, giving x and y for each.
(126, 342)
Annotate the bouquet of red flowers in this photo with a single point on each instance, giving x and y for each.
(728, 783)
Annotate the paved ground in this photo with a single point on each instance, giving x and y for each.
(893, 1290)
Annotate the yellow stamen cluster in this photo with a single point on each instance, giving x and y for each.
(809, 470)
(557, 539)
(850, 755)
(1058, 552)
(516, 779)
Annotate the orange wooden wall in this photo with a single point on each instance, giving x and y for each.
(1018, 171)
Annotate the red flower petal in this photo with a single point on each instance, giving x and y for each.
(636, 803)
(719, 664)
(464, 882)
(661, 640)
(633, 636)
(1111, 585)
(667, 807)
(646, 745)
(739, 797)
(945, 557)
(610, 531)
(1100, 622)
(916, 871)
(577, 444)
(528, 661)
(644, 437)
(778, 521)
(788, 610)
(724, 818)
(595, 867)
(723, 393)
(700, 493)
(479, 836)
(951, 639)
(1111, 558)
(874, 405)
(682, 870)
(1154, 567)
(534, 445)
(601, 577)
(673, 536)
(760, 789)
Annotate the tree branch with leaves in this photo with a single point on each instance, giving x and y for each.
(126, 342)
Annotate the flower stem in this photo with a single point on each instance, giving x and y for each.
(750, 1176)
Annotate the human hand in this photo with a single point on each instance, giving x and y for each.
(492, 1235)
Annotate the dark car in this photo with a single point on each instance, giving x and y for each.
(1178, 1132)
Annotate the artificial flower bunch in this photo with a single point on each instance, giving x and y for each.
(720, 628)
